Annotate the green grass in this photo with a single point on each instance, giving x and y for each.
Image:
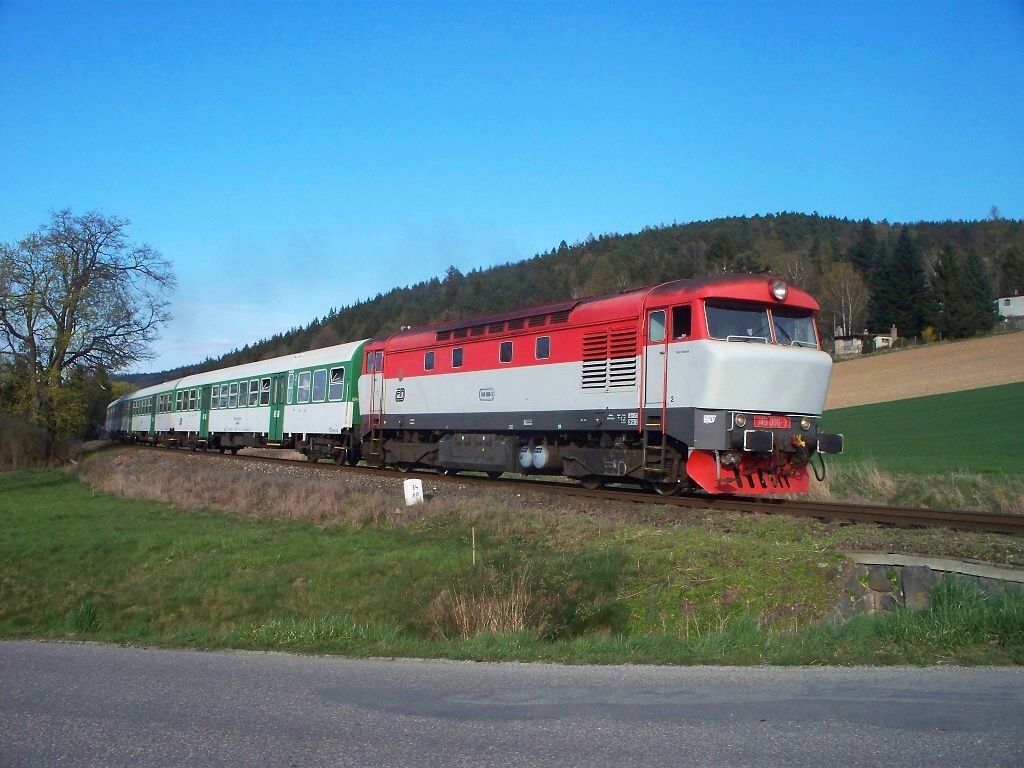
(733, 589)
(980, 430)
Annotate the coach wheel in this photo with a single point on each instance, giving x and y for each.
(313, 458)
(495, 475)
(446, 472)
(591, 482)
(341, 457)
(406, 466)
(666, 489)
(222, 450)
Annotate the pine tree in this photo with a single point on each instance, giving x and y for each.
(899, 290)
(864, 252)
(980, 303)
(950, 316)
(1011, 273)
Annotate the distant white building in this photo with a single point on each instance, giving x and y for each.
(1011, 306)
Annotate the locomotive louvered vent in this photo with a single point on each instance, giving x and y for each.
(537, 320)
(609, 359)
(459, 333)
(495, 327)
(444, 335)
(560, 317)
(477, 330)
(515, 325)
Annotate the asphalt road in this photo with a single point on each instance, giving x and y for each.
(86, 705)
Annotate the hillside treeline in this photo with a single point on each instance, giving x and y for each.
(933, 278)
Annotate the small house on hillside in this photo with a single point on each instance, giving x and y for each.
(1010, 306)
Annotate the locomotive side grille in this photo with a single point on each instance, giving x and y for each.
(537, 320)
(609, 359)
(496, 328)
(444, 335)
(515, 325)
(560, 317)
(476, 330)
(459, 333)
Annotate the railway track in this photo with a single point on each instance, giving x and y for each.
(903, 517)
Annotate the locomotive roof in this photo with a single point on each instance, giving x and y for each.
(611, 307)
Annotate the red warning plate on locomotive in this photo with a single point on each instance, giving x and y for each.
(772, 422)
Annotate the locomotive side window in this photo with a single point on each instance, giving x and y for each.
(337, 389)
(378, 361)
(737, 321)
(656, 326)
(319, 385)
(233, 396)
(681, 322)
(505, 352)
(243, 394)
(457, 357)
(254, 392)
(543, 347)
(369, 362)
(302, 393)
(264, 391)
(215, 399)
(428, 361)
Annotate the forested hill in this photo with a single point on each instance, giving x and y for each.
(863, 273)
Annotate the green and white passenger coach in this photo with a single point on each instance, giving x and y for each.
(308, 401)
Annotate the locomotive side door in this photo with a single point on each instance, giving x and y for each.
(655, 347)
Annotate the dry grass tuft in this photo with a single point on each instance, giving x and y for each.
(511, 605)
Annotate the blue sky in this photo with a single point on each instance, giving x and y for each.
(289, 157)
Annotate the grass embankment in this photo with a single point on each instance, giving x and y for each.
(652, 586)
(976, 431)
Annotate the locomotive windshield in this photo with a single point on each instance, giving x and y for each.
(736, 321)
(740, 321)
(795, 327)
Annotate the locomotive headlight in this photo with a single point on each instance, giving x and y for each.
(805, 424)
(780, 290)
(740, 420)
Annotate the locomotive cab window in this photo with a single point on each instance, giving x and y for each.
(681, 321)
(738, 321)
(428, 361)
(337, 389)
(543, 347)
(656, 326)
(794, 327)
(505, 352)
(264, 391)
(254, 392)
(319, 385)
(457, 357)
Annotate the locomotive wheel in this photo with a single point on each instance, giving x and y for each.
(666, 489)
(591, 482)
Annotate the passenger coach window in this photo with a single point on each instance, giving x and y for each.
(243, 393)
(291, 384)
(337, 388)
(543, 348)
(177, 401)
(505, 352)
(215, 399)
(302, 394)
(223, 395)
(428, 361)
(254, 392)
(264, 391)
(457, 357)
(319, 385)
(193, 399)
(656, 326)
(233, 396)
(681, 321)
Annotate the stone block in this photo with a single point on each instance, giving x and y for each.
(917, 582)
(878, 578)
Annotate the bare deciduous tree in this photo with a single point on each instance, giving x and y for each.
(846, 294)
(76, 295)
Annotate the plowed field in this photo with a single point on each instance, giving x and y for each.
(927, 370)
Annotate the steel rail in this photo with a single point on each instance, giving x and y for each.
(903, 517)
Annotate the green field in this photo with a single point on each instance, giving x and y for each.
(980, 430)
(727, 588)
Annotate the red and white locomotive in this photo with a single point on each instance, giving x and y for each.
(716, 382)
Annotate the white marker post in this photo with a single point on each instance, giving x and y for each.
(413, 492)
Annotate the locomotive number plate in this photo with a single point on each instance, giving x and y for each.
(772, 422)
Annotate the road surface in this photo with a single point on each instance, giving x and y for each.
(94, 705)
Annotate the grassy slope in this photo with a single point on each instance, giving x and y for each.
(980, 430)
(74, 563)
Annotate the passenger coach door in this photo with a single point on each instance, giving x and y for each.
(655, 348)
(204, 412)
(275, 432)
